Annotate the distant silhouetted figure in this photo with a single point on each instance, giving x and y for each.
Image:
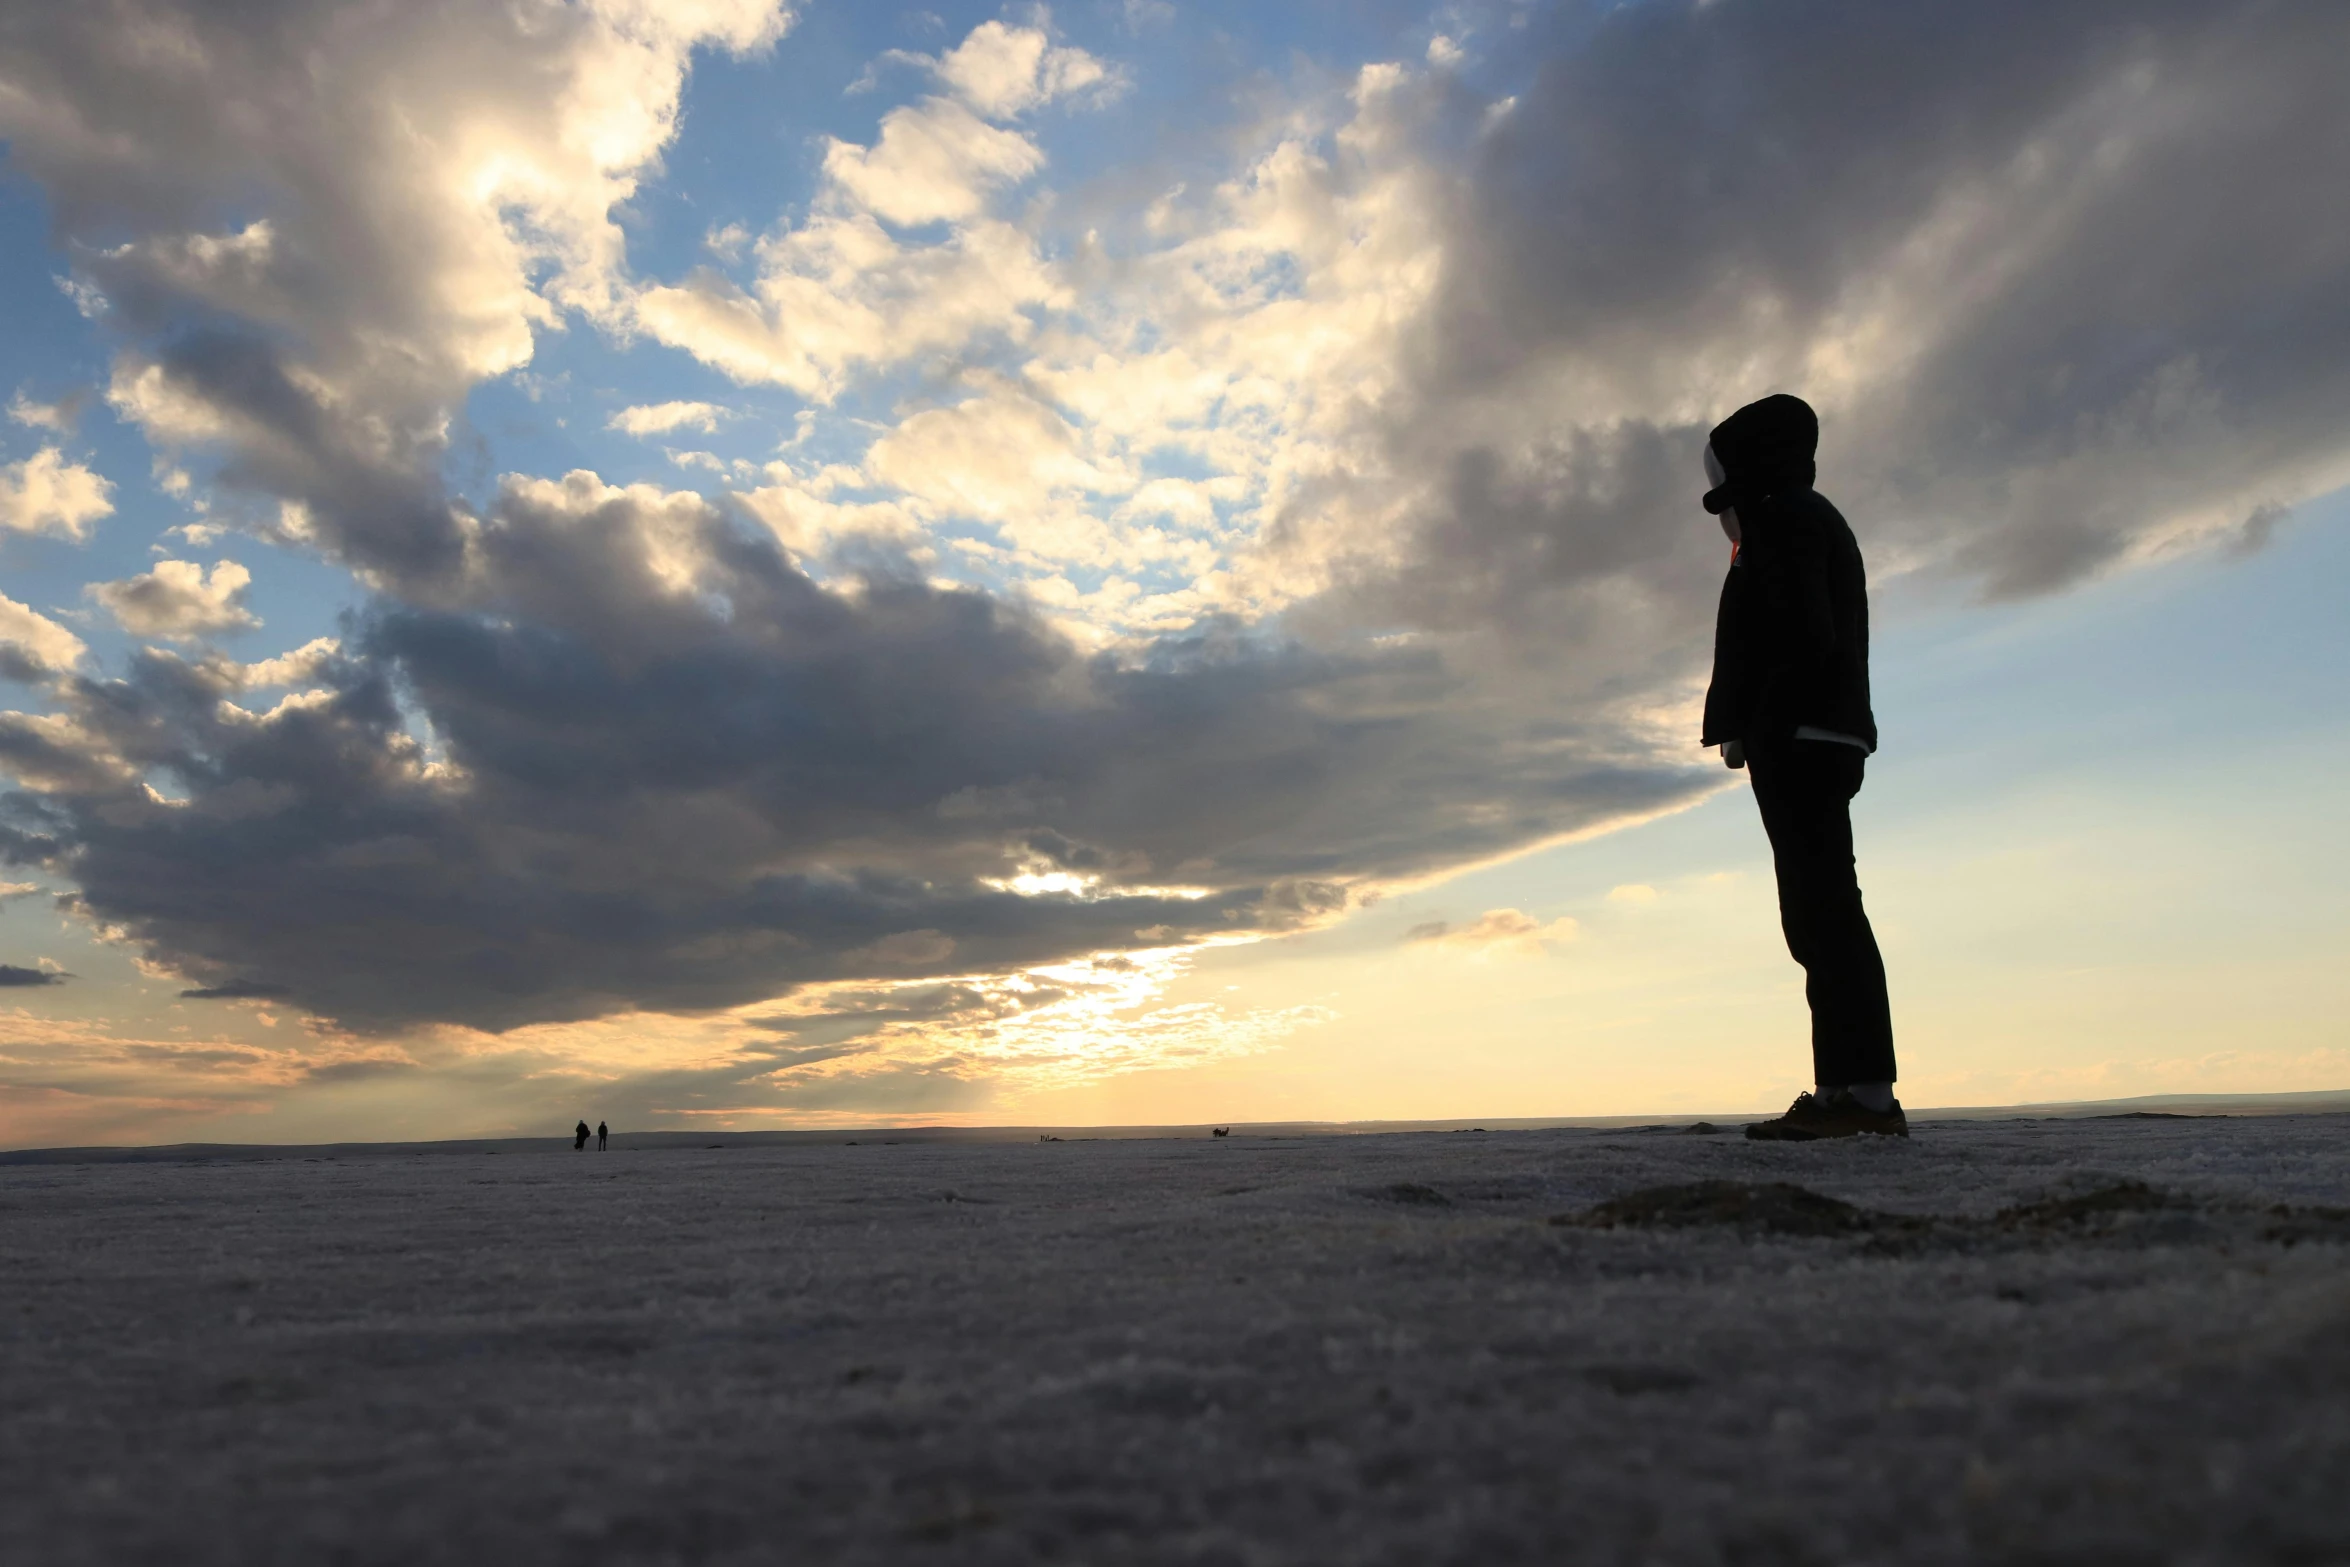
(602, 1132)
(579, 1139)
(1790, 703)
(1221, 1131)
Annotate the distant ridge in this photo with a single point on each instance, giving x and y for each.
(2321, 1102)
(2324, 1102)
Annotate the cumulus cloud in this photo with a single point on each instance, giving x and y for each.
(806, 519)
(662, 418)
(304, 666)
(934, 162)
(32, 646)
(939, 160)
(180, 601)
(1001, 457)
(2010, 275)
(674, 772)
(839, 293)
(439, 183)
(1003, 71)
(1326, 523)
(1250, 333)
(46, 493)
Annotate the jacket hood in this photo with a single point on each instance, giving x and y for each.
(1765, 447)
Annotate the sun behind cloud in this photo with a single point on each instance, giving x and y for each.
(1068, 518)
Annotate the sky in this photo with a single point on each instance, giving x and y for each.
(720, 563)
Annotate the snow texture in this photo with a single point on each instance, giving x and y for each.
(2116, 1341)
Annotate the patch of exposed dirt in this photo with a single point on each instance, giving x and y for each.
(2291, 1226)
(2116, 1210)
(1411, 1194)
(2091, 1209)
(1772, 1207)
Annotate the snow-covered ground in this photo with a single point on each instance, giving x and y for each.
(1244, 1350)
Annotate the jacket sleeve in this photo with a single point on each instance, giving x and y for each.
(1726, 695)
(1797, 636)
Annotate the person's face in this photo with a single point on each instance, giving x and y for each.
(1715, 478)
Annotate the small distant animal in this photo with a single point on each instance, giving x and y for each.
(1221, 1131)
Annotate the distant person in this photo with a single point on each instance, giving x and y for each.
(602, 1132)
(579, 1141)
(1790, 704)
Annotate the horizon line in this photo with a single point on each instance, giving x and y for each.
(2214, 1106)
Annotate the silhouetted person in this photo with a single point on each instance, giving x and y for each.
(579, 1140)
(602, 1132)
(1790, 703)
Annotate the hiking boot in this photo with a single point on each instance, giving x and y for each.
(1811, 1118)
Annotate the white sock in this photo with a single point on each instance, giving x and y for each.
(1876, 1096)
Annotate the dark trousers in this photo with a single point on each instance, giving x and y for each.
(1805, 789)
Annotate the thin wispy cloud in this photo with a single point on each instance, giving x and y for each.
(666, 418)
(1505, 931)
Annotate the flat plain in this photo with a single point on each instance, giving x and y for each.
(2120, 1340)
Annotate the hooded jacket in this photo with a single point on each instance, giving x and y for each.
(1791, 638)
